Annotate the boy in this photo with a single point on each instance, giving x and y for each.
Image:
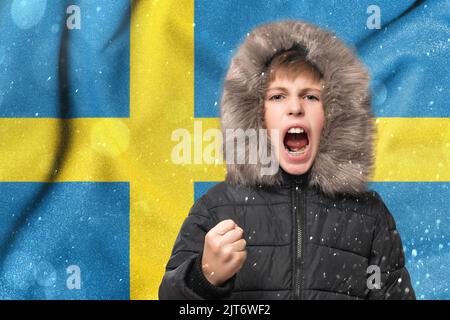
(311, 230)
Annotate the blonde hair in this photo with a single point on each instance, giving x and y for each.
(291, 64)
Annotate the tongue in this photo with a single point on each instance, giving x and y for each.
(295, 141)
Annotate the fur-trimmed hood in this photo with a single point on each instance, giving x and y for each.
(344, 161)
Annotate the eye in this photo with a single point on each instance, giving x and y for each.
(276, 97)
(311, 97)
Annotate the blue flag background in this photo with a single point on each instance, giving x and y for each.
(50, 71)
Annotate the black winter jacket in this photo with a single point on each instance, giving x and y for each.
(301, 244)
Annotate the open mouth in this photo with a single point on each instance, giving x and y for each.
(296, 141)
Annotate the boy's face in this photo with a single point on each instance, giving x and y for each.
(295, 109)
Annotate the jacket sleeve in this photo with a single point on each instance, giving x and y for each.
(387, 254)
(183, 278)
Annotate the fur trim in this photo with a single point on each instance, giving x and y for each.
(344, 160)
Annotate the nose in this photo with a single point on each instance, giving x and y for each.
(295, 107)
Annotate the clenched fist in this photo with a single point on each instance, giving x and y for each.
(224, 252)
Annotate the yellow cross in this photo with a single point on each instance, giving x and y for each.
(138, 149)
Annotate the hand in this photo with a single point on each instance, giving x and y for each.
(224, 252)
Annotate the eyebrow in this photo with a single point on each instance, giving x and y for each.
(286, 90)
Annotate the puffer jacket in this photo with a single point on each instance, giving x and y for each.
(319, 235)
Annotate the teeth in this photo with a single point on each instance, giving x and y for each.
(297, 153)
(295, 130)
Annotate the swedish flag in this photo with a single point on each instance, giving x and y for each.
(90, 92)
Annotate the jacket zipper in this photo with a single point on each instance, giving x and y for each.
(298, 211)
